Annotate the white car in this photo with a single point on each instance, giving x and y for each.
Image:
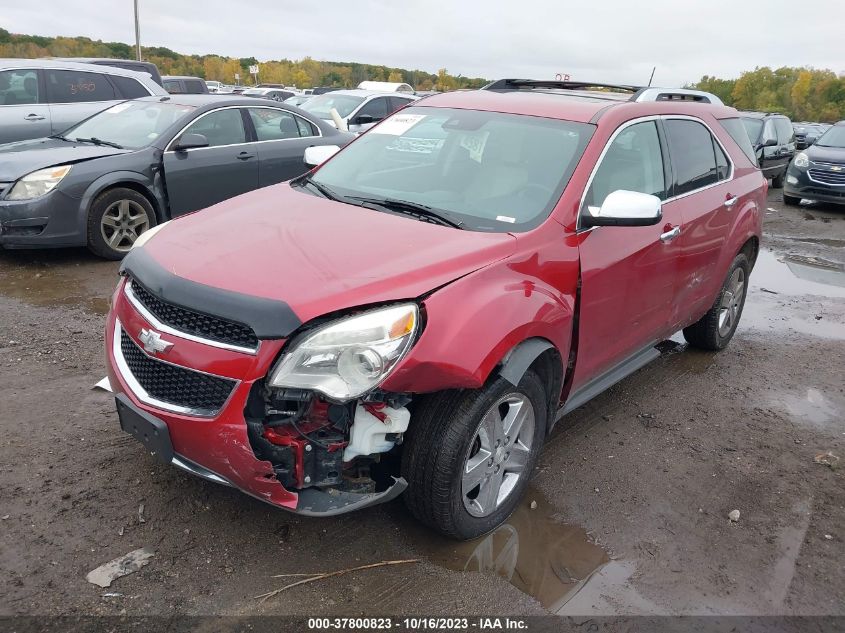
(214, 86)
(358, 110)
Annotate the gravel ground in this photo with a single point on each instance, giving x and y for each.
(630, 500)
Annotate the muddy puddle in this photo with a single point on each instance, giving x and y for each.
(537, 554)
(797, 293)
(64, 278)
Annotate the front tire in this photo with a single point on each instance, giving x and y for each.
(116, 219)
(468, 455)
(716, 328)
(777, 181)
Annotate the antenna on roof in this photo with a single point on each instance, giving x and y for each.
(650, 79)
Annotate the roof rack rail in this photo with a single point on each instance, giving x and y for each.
(639, 93)
(528, 84)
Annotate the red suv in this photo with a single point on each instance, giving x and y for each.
(415, 314)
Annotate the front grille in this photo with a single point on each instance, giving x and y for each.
(196, 323)
(828, 177)
(174, 385)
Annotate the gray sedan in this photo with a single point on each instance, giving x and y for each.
(105, 181)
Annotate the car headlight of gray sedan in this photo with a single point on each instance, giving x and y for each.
(38, 183)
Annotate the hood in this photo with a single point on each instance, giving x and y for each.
(23, 157)
(816, 153)
(317, 255)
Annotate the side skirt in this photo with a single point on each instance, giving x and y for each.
(606, 380)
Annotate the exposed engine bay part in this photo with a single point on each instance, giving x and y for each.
(305, 438)
(374, 429)
(315, 502)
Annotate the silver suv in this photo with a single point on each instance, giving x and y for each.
(358, 109)
(40, 97)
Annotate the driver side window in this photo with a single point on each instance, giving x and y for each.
(633, 162)
(377, 108)
(221, 127)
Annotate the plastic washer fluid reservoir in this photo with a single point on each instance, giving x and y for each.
(368, 433)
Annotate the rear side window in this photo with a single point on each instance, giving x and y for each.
(71, 86)
(194, 87)
(633, 162)
(784, 130)
(18, 87)
(691, 147)
(129, 88)
(173, 86)
(738, 132)
(273, 125)
(398, 102)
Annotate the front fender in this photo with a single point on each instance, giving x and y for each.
(473, 323)
(115, 178)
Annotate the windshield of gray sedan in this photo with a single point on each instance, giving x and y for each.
(131, 124)
(488, 171)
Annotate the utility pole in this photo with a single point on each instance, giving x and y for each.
(137, 33)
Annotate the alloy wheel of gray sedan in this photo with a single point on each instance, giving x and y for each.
(731, 302)
(498, 455)
(122, 224)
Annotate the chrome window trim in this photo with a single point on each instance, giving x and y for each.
(168, 149)
(655, 117)
(163, 327)
(145, 397)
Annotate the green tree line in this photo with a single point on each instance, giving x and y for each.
(303, 73)
(803, 94)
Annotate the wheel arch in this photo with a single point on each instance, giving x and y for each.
(541, 356)
(129, 180)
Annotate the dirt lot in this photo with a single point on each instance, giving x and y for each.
(633, 491)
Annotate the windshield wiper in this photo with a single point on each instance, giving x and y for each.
(420, 211)
(321, 189)
(98, 141)
(61, 138)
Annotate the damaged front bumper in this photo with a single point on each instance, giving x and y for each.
(155, 435)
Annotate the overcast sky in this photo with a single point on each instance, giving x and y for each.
(600, 40)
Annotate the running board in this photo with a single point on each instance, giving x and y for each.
(607, 380)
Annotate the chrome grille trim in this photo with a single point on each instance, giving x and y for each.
(163, 327)
(146, 398)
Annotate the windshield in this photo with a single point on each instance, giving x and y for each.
(834, 137)
(489, 170)
(131, 124)
(321, 105)
(753, 127)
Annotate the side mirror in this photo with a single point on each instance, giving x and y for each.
(625, 208)
(191, 141)
(364, 119)
(319, 154)
(769, 142)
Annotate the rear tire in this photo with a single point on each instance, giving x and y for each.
(464, 477)
(116, 219)
(792, 201)
(777, 181)
(715, 329)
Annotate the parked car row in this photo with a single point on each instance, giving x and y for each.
(818, 172)
(807, 133)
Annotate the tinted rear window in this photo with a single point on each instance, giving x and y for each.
(71, 86)
(739, 133)
(129, 88)
(693, 156)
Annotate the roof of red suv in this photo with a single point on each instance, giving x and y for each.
(578, 106)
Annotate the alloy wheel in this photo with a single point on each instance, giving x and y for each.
(731, 304)
(122, 224)
(497, 456)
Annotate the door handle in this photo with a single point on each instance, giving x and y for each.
(730, 201)
(245, 156)
(670, 235)
(34, 117)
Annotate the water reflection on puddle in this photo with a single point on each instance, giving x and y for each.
(538, 555)
(811, 407)
(784, 291)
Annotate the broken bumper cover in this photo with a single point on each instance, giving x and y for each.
(155, 435)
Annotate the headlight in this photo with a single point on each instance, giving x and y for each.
(146, 236)
(38, 183)
(801, 160)
(347, 358)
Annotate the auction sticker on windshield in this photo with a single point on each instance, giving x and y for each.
(398, 124)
